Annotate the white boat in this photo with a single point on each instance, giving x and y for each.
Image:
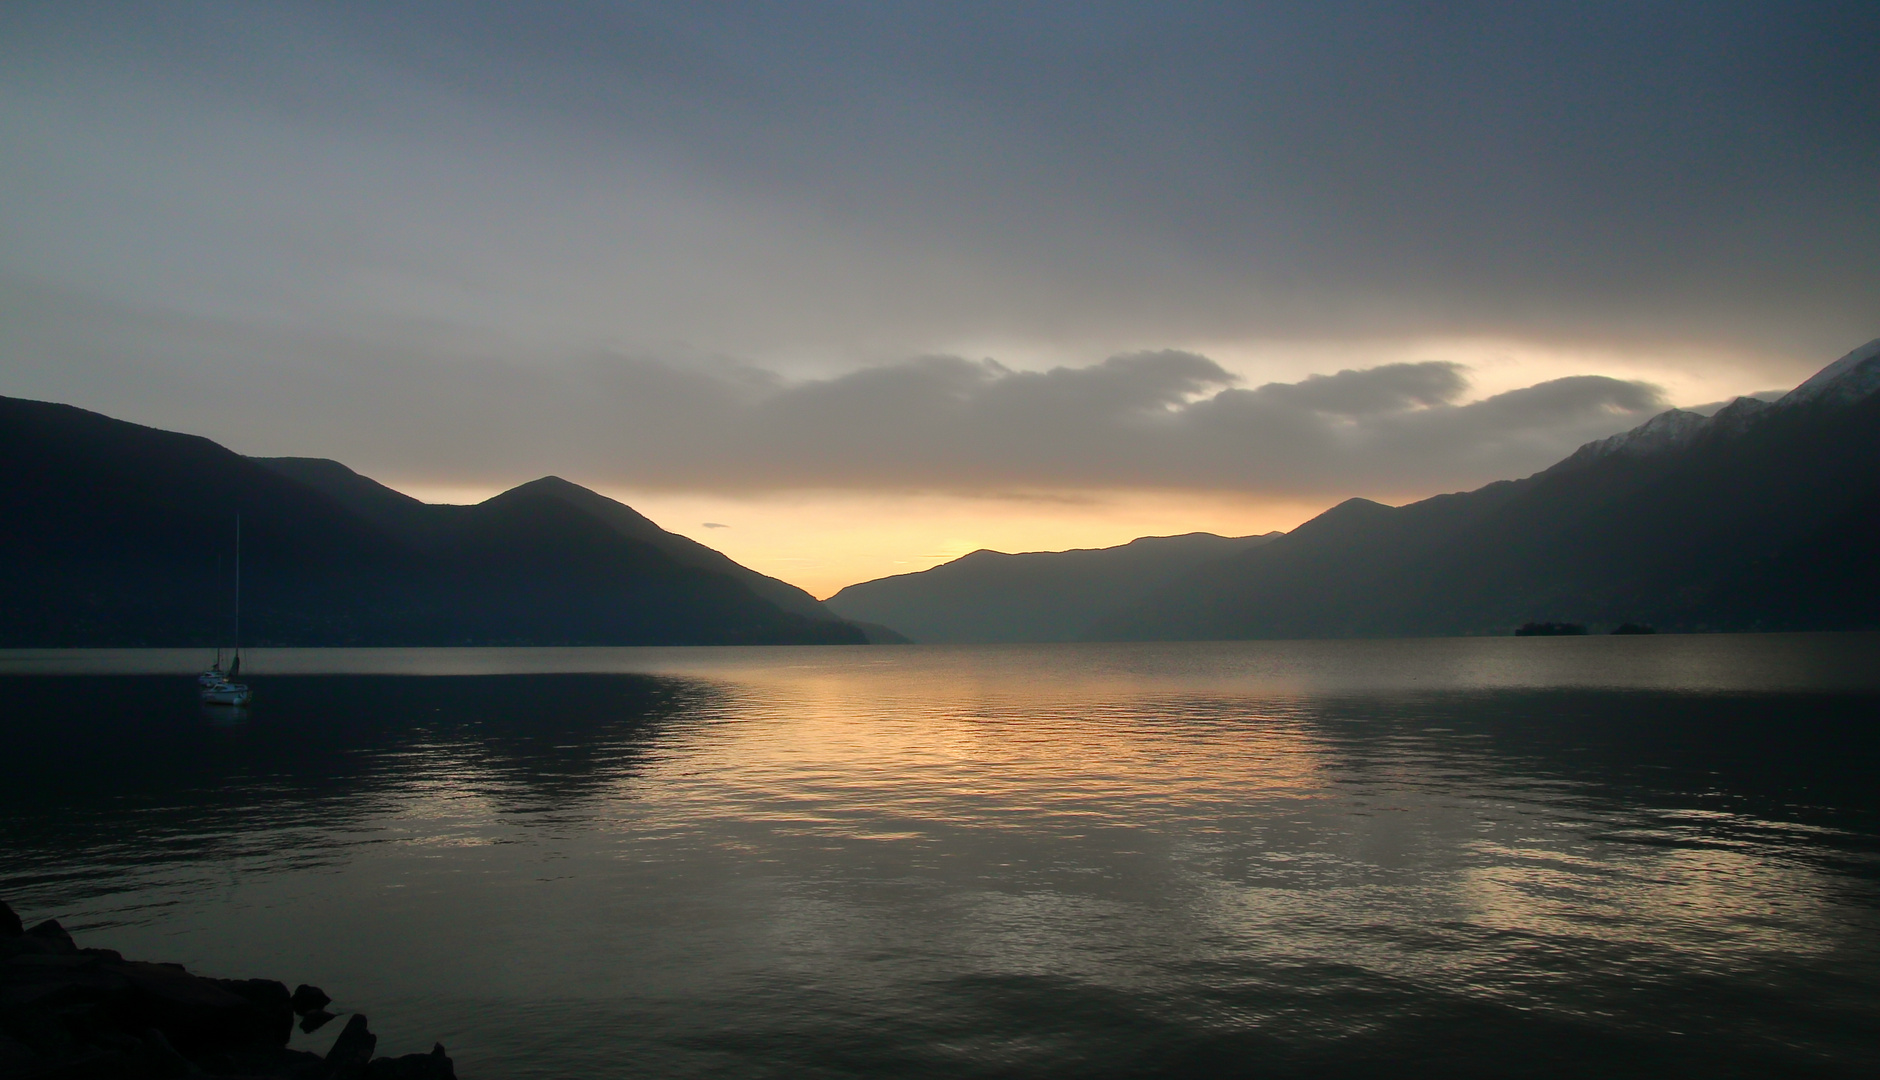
(214, 686)
(225, 693)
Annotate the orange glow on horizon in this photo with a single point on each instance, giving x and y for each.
(823, 541)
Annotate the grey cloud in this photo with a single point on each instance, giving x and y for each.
(890, 179)
(1527, 425)
(1575, 396)
(1288, 436)
(1389, 388)
(1145, 420)
(1142, 420)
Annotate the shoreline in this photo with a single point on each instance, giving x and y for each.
(71, 1013)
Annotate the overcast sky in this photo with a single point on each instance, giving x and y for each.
(971, 262)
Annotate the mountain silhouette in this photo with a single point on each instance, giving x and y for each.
(1034, 596)
(1764, 516)
(123, 535)
(419, 524)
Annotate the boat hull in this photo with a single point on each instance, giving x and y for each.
(226, 694)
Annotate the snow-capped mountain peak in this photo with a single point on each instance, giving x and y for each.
(1848, 379)
(1666, 431)
(1737, 415)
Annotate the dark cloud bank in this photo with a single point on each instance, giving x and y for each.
(901, 177)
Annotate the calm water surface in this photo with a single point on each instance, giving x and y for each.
(1508, 857)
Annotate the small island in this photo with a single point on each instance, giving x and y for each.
(1550, 629)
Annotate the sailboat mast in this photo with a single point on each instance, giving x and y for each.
(238, 583)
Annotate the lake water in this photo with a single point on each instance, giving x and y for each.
(1649, 856)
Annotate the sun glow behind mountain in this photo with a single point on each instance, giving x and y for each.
(1398, 450)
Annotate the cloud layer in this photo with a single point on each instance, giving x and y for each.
(879, 180)
(1164, 419)
(1146, 420)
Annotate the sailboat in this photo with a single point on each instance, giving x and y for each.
(215, 686)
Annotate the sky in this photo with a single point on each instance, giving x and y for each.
(849, 289)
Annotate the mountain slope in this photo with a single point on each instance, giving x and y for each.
(366, 498)
(1760, 517)
(1034, 596)
(119, 534)
(417, 523)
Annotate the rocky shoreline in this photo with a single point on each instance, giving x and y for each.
(68, 1013)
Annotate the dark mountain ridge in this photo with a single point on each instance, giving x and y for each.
(1765, 516)
(119, 534)
(992, 596)
(423, 525)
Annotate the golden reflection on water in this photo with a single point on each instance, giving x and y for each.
(1051, 805)
(1013, 755)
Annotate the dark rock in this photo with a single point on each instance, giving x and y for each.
(117, 1042)
(308, 998)
(91, 1063)
(1634, 628)
(14, 1055)
(24, 945)
(41, 1032)
(432, 1066)
(200, 1014)
(315, 1020)
(10, 925)
(156, 1057)
(54, 983)
(268, 995)
(88, 1014)
(353, 1049)
(51, 931)
(266, 1061)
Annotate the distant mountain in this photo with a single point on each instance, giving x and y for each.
(1034, 596)
(419, 524)
(118, 534)
(1764, 516)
